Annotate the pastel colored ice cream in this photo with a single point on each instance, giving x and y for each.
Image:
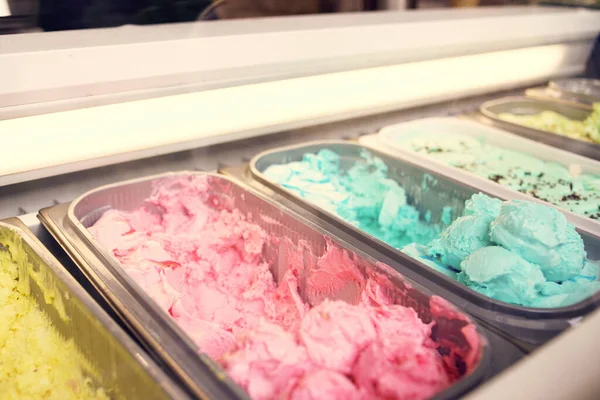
(203, 262)
(549, 181)
(527, 254)
(550, 121)
(518, 252)
(36, 362)
(592, 124)
(364, 196)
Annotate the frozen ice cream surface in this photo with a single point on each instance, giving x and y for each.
(543, 180)
(523, 253)
(592, 124)
(502, 275)
(201, 261)
(467, 233)
(550, 121)
(540, 235)
(36, 362)
(363, 195)
(421, 253)
(460, 239)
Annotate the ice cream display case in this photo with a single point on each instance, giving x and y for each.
(230, 209)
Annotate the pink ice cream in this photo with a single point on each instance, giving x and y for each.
(202, 261)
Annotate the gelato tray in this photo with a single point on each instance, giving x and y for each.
(586, 91)
(579, 92)
(243, 298)
(55, 341)
(506, 165)
(544, 93)
(569, 127)
(397, 207)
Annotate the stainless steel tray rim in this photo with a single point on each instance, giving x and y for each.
(558, 85)
(263, 153)
(501, 100)
(101, 316)
(546, 93)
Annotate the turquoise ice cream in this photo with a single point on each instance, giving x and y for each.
(468, 233)
(420, 253)
(549, 181)
(502, 275)
(518, 252)
(525, 254)
(463, 237)
(482, 205)
(540, 235)
(572, 290)
(364, 196)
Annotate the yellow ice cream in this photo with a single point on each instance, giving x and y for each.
(550, 121)
(592, 124)
(35, 361)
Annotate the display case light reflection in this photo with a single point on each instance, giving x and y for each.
(137, 129)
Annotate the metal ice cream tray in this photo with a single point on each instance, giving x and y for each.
(428, 192)
(586, 91)
(527, 106)
(68, 224)
(117, 364)
(545, 93)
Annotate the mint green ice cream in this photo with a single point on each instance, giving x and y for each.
(543, 180)
(519, 252)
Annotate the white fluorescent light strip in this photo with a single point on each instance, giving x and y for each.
(4, 8)
(51, 144)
